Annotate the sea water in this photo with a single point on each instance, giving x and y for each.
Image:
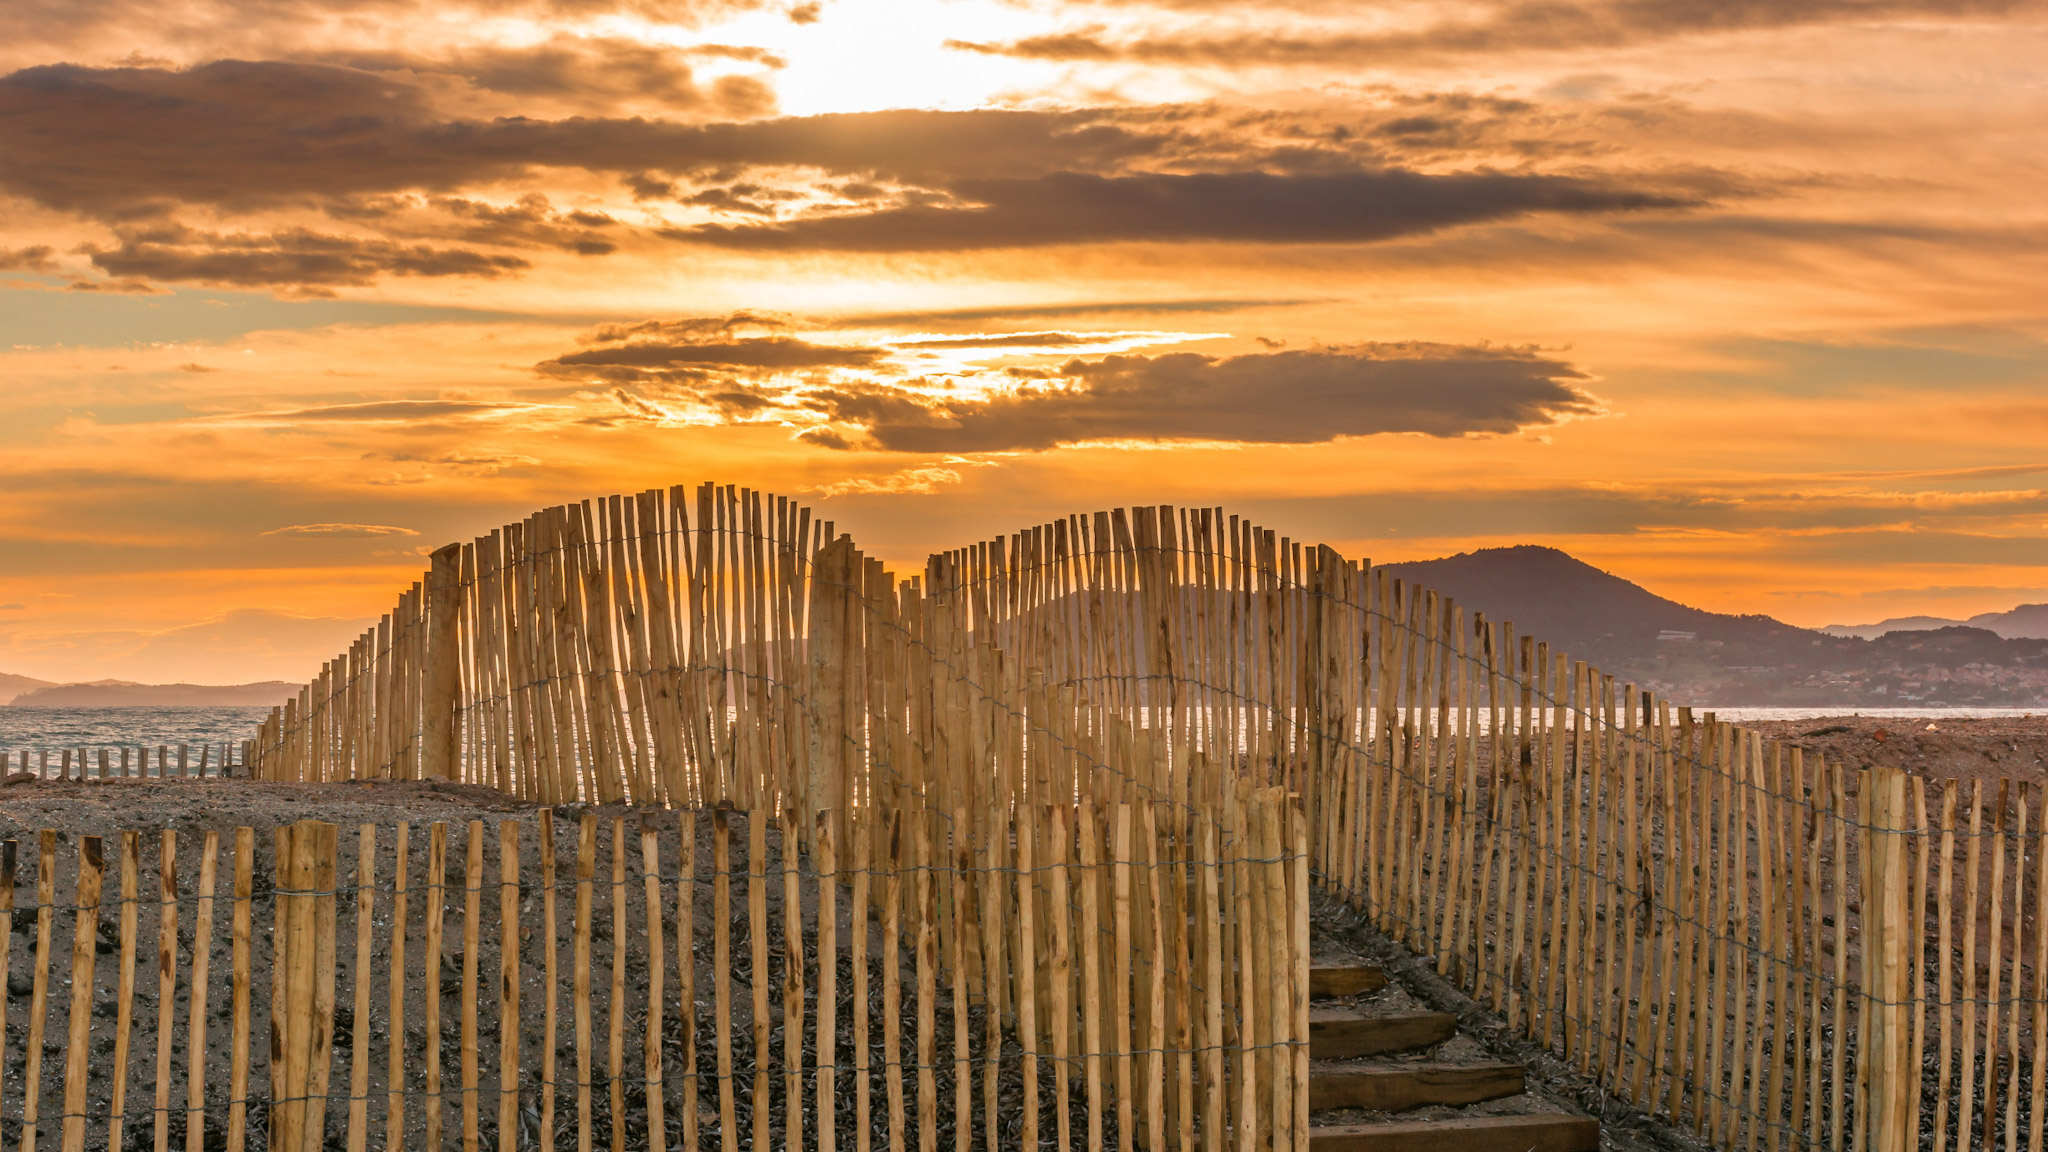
(37, 730)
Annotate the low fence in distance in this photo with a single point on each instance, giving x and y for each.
(114, 763)
(1108, 976)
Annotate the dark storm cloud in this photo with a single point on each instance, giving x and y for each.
(293, 257)
(1503, 28)
(120, 143)
(1255, 207)
(1277, 398)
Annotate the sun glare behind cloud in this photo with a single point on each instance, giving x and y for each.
(297, 288)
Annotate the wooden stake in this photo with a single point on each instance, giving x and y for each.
(550, 980)
(927, 987)
(430, 990)
(394, 1116)
(8, 849)
(282, 909)
(92, 866)
(827, 1042)
(721, 965)
(792, 983)
(359, 1039)
(657, 965)
(195, 1040)
(686, 968)
(1213, 1082)
(320, 881)
(1887, 939)
(509, 1022)
(1027, 985)
(1092, 1007)
(124, 1003)
(864, 861)
(238, 1042)
(1060, 974)
(616, 1052)
(757, 940)
(166, 1002)
(472, 912)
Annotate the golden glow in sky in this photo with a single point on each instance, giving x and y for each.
(1738, 302)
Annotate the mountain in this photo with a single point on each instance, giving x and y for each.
(2026, 622)
(1576, 607)
(12, 685)
(120, 694)
(1715, 659)
(1895, 624)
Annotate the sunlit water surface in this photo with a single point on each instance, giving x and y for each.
(37, 730)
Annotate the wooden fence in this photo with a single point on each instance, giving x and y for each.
(1769, 949)
(1109, 976)
(124, 761)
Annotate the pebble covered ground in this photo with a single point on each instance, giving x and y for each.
(2014, 747)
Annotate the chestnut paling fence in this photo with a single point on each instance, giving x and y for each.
(702, 979)
(1770, 949)
(127, 761)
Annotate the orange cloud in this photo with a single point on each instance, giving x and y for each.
(286, 275)
(341, 531)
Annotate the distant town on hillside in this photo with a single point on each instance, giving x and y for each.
(1721, 660)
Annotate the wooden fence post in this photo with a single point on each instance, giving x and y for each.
(438, 753)
(828, 657)
(1889, 934)
(306, 927)
(84, 950)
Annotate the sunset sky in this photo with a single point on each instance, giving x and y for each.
(1740, 299)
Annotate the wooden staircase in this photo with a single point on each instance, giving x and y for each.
(1373, 1059)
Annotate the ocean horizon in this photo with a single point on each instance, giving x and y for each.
(54, 729)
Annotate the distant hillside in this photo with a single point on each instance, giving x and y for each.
(119, 695)
(1714, 659)
(1895, 624)
(1568, 602)
(12, 685)
(2026, 622)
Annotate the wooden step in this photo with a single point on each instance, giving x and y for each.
(1342, 1034)
(1326, 981)
(1398, 1087)
(1540, 1132)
